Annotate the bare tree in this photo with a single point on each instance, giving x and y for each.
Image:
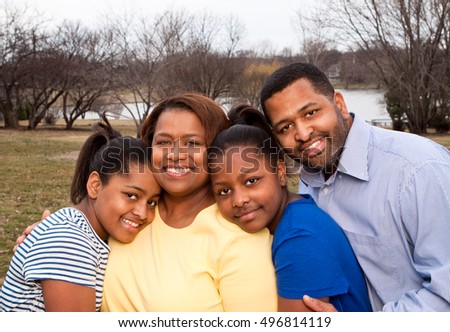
(254, 73)
(87, 54)
(44, 84)
(144, 47)
(206, 65)
(17, 32)
(313, 33)
(410, 41)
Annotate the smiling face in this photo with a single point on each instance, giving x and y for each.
(248, 191)
(179, 152)
(308, 125)
(125, 205)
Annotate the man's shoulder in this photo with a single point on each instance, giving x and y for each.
(406, 147)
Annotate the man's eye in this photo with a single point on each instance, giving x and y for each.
(310, 113)
(285, 128)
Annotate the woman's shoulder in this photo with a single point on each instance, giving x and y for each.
(212, 219)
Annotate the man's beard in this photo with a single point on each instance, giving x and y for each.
(327, 160)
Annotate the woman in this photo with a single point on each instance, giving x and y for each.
(190, 258)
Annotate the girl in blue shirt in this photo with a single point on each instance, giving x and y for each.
(310, 252)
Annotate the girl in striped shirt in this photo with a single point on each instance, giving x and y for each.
(60, 266)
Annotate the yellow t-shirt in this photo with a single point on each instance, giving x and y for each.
(211, 265)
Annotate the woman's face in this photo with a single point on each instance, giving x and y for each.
(179, 152)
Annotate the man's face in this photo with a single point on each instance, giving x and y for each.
(309, 126)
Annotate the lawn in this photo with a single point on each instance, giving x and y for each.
(37, 171)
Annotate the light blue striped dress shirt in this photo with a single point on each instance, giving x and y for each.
(391, 196)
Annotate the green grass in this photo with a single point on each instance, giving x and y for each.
(37, 168)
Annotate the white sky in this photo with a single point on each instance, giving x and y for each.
(264, 20)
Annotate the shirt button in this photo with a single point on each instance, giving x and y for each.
(325, 190)
(340, 176)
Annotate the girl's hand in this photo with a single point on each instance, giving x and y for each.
(317, 305)
(28, 230)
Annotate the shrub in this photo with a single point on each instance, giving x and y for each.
(51, 117)
(441, 122)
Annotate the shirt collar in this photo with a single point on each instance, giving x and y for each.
(354, 158)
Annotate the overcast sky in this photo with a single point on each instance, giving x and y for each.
(264, 20)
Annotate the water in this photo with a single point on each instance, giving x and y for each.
(368, 104)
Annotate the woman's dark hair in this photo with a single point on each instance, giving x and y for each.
(210, 113)
(249, 129)
(285, 76)
(107, 153)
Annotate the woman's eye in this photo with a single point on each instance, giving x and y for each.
(193, 143)
(162, 142)
(252, 181)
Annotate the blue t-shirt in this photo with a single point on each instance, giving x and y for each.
(312, 256)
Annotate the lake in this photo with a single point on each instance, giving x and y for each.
(368, 104)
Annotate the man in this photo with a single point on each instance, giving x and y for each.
(388, 191)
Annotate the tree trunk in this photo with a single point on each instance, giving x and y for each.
(11, 119)
(34, 121)
(417, 128)
(69, 124)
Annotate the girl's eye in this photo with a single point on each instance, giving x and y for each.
(152, 203)
(131, 196)
(224, 192)
(252, 181)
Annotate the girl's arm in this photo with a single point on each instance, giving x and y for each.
(65, 296)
